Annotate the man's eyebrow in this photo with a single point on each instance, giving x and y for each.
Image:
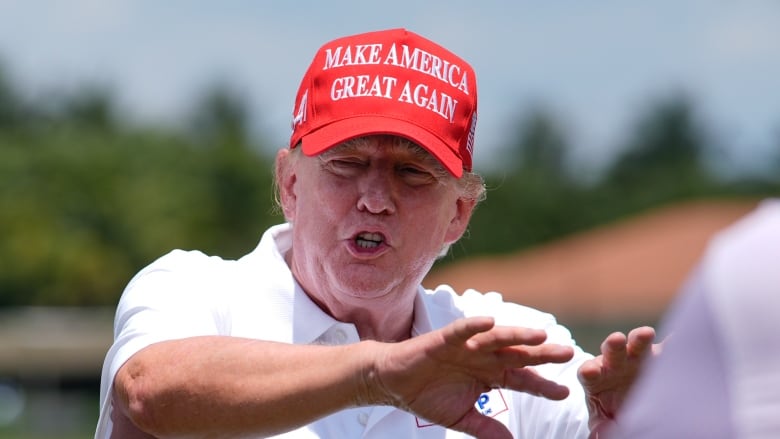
(421, 153)
(346, 147)
(427, 158)
(416, 152)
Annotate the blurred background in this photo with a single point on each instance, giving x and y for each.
(615, 139)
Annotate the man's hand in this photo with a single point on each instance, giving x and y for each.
(608, 377)
(439, 376)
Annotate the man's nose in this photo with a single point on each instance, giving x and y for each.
(377, 192)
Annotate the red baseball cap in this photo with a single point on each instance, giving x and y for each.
(388, 82)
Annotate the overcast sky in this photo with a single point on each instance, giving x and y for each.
(595, 63)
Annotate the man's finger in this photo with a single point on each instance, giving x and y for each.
(534, 355)
(527, 380)
(504, 336)
(614, 351)
(462, 330)
(589, 373)
(640, 341)
(478, 425)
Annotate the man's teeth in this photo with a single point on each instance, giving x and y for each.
(369, 240)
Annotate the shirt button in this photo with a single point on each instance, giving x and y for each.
(363, 418)
(341, 336)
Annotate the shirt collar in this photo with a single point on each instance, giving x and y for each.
(312, 325)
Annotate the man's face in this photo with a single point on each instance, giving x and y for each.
(369, 219)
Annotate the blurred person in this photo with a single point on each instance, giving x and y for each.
(324, 330)
(719, 375)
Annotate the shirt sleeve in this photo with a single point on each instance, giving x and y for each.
(719, 373)
(167, 300)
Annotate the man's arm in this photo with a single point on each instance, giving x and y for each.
(226, 386)
(218, 384)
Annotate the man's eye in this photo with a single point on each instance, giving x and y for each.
(416, 174)
(344, 167)
(346, 163)
(415, 170)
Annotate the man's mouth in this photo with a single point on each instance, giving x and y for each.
(369, 240)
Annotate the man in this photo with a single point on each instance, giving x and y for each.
(719, 376)
(324, 330)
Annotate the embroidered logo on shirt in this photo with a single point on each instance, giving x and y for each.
(489, 404)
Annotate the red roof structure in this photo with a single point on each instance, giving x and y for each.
(627, 270)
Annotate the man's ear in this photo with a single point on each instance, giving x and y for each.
(285, 182)
(460, 221)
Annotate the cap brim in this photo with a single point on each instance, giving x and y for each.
(337, 132)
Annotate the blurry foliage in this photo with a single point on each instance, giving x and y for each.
(527, 201)
(86, 200)
(536, 198)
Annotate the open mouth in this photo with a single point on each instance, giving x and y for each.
(369, 240)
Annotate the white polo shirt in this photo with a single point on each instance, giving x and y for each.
(186, 294)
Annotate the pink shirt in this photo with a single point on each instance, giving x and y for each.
(719, 373)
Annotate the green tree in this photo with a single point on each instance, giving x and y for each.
(239, 186)
(11, 107)
(86, 201)
(526, 201)
(664, 157)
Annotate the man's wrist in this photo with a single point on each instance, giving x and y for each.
(370, 389)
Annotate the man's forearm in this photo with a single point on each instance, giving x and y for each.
(227, 386)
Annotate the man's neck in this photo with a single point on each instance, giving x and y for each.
(391, 327)
(386, 319)
(378, 321)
